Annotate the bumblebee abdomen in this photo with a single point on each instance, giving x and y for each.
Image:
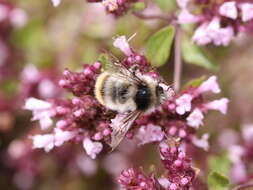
(99, 87)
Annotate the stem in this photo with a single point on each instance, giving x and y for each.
(177, 59)
(243, 186)
(168, 18)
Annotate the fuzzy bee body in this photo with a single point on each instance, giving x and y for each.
(129, 93)
(123, 96)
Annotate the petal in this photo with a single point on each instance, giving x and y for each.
(56, 2)
(229, 9)
(247, 11)
(122, 43)
(92, 148)
(36, 104)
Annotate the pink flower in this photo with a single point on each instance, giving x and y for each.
(235, 153)
(42, 111)
(3, 12)
(220, 105)
(213, 27)
(183, 104)
(201, 36)
(224, 36)
(212, 32)
(247, 11)
(122, 43)
(43, 141)
(47, 88)
(30, 74)
(18, 17)
(202, 142)
(56, 2)
(17, 149)
(238, 172)
(111, 5)
(86, 165)
(247, 133)
(185, 17)
(92, 148)
(182, 3)
(209, 85)
(63, 136)
(195, 118)
(150, 133)
(164, 182)
(229, 9)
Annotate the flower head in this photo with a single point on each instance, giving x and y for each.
(247, 11)
(42, 111)
(195, 118)
(150, 133)
(229, 9)
(92, 148)
(202, 142)
(122, 43)
(220, 105)
(56, 2)
(209, 85)
(183, 104)
(43, 141)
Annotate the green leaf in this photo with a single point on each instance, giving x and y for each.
(9, 87)
(195, 82)
(220, 163)
(139, 6)
(193, 54)
(159, 45)
(217, 181)
(166, 5)
(105, 60)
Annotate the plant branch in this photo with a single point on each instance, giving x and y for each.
(168, 18)
(177, 59)
(243, 186)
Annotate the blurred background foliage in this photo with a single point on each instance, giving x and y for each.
(76, 33)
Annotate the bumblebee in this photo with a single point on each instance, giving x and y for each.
(131, 93)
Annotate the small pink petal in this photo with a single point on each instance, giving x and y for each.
(56, 2)
(202, 142)
(182, 3)
(92, 148)
(183, 104)
(220, 105)
(122, 43)
(63, 136)
(247, 11)
(150, 133)
(201, 36)
(43, 141)
(209, 85)
(185, 17)
(18, 17)
(195, 119)
(229, 9)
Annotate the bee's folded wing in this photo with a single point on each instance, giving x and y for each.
(120, 126)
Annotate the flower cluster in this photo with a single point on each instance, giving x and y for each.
(10, 17)
(135, 179)
(218, 21)
(82, 119)
(116, 7)
(178, 172)
(183, 114)
(240, 153)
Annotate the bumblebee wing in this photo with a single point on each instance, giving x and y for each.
(121, 127)
(116, 67)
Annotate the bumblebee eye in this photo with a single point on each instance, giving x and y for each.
(159, 90)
